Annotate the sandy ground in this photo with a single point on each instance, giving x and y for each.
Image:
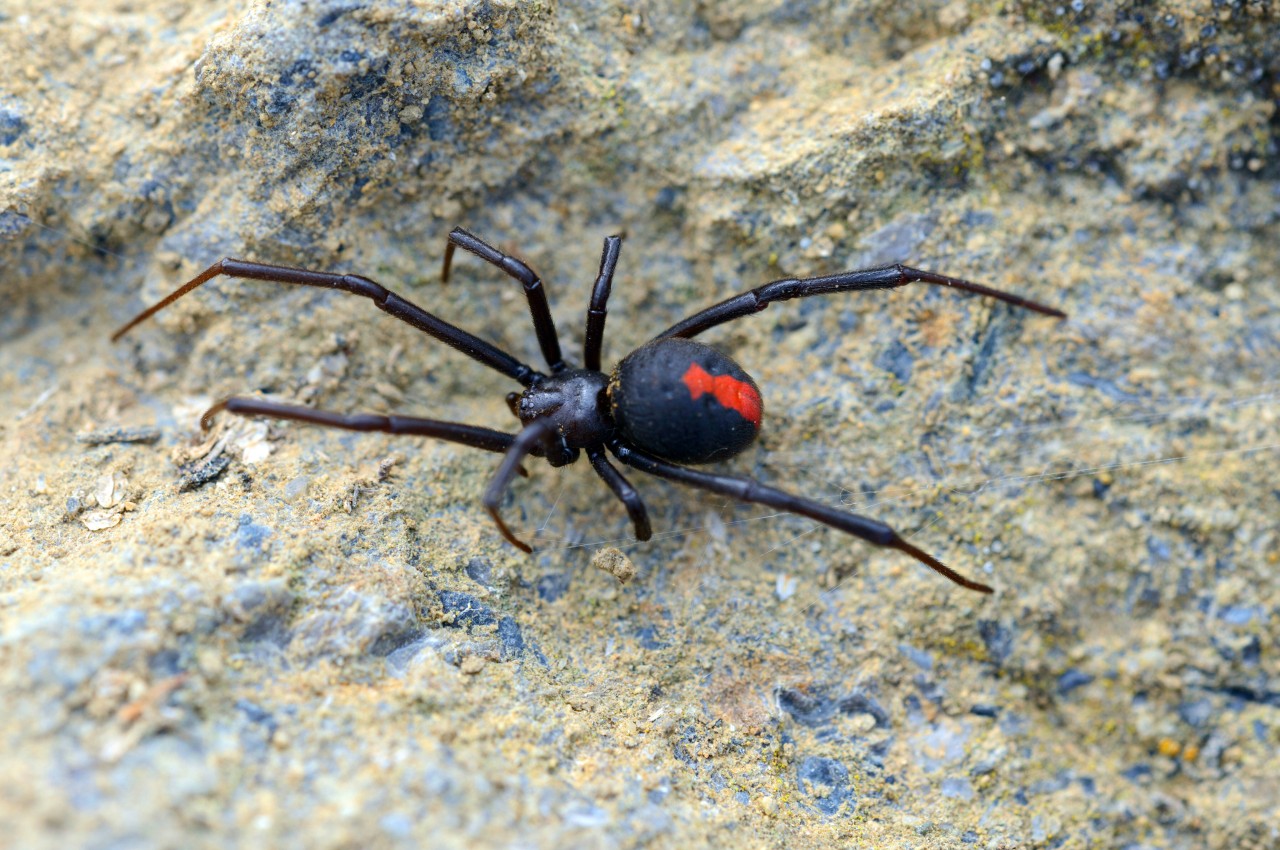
(281, 635)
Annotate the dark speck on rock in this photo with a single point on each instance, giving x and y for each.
(480, 570)
(685, 747)
(195, 475)
(299, 73)
(167, 662)
(826, 780)
(250, 535)
(11, 126)
(392, 642)
(918, 657)
(255, 713)
(439, 123)
(808, 709)
(512, 639)
(1071, 680)
(998, 640)
(333, 14)
(647, 637)
(897, 361)
(815, 708)
(1251, 653)
(553, 585)
(12, 223)
(280, 102)
(272, 628)
(126, 622)
(466, 609)
(1138, 773)
(1158, 549)
(1196, 713)
(667, 198)
(1238, 615)
(859, 703)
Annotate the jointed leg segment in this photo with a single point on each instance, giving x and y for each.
(627, 494)
(455, 432)
(889, 277)
(598, 311)
(527, 442)
(534, 291)
(385, 300)
(749, 490)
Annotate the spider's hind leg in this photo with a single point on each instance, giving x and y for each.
(749, 490)
(888, 277)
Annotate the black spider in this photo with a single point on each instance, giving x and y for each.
(670, 402)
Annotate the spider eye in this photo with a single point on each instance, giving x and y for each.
(685, 402)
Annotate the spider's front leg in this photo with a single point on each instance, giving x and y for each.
(535, 292)
(383, 298)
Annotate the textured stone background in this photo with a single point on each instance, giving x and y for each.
(329, 645)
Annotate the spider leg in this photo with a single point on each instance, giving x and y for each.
(385, 300)
(530, 439)
(622, 488)
(889, 277)
(597, 312)
(455, 432)
(534, 291)
(749, 490)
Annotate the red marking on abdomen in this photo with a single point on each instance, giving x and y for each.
(728, 390)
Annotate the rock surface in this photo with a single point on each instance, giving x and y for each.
(285, 636)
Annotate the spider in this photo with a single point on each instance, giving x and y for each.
(671, 402)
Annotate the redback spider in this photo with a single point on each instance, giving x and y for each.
(670, 402)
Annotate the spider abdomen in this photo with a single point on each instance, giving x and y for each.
(685, 402)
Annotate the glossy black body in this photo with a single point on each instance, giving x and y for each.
(658, 411)
(671, 402)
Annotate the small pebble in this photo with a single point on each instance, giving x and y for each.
(103, 436)
(616, 564)
(109, 489)
(99, 520)
(785, 586)
(197, 475)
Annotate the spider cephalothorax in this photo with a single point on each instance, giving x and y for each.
(671, 402)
